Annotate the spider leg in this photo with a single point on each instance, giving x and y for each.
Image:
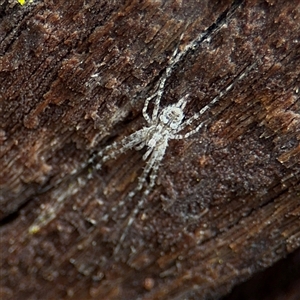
(162, 83)
(182, 102)
(145, 114)
(160, 90)
(188, 134)
(154, 171)
(148, 152)
(140, 146)
(118, 147)
(200, 113)
(214, 101)
(151, 168)
(157, 95)
(143, 177)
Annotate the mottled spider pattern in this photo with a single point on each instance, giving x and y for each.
(164, 124)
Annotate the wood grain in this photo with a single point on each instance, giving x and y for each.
(74, 76)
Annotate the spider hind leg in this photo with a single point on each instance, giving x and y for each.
(118, 147)
(151, 170)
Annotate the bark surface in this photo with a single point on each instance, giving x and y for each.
(74, 77)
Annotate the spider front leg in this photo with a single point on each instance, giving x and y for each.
(214, 101)
(199, 114)
(145, 114)
(189, 133)
(158, 94)
(160, 89)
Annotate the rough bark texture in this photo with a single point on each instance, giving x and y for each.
(279, 282)
(74, 76)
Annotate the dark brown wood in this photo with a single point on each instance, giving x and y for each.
(74, 76)
(281, 281)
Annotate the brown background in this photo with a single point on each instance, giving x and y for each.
(74, 76)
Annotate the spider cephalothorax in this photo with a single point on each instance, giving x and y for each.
(172, 116)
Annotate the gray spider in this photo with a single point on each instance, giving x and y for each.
(164, 125)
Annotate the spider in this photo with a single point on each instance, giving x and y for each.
(163, 125)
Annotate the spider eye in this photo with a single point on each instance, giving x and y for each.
(177, 114)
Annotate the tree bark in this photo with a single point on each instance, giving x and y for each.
(74, 77)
